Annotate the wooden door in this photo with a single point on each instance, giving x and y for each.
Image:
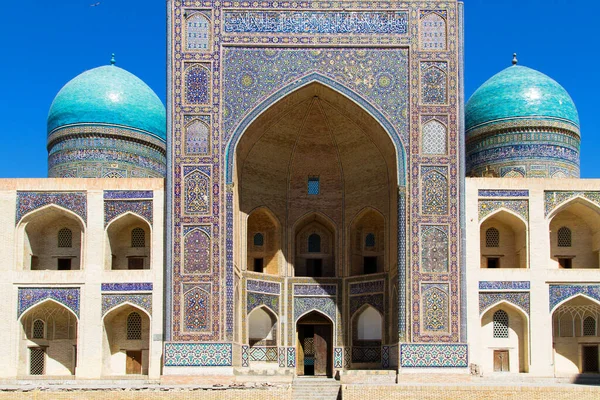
(134, 362)
(590, 359)
(501, 361)
(321, 346)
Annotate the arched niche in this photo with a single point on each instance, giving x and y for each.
(263, 242)
(315, 241)
(578, 246)
(262, 328)
(126, 341)
(505, 339)
(52, 239)
(503, 241)
(53, 349)
(128, 243)
(575, 336)
(367, 336)
(367, 233)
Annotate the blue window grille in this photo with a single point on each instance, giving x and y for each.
(313, 185)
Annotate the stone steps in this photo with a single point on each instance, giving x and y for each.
(316, 389)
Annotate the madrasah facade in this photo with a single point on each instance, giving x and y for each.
(317, 198)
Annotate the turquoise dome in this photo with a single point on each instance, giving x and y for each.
(516, 92)
(108, 95)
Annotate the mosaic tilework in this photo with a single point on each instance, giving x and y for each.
(367, 287)
(435, 307)
(197, 309)
(197, 84)
(504, 285)
(434, 82)
(338, 357)
(326, 305)
(116, 208)
(281, 357)
(503, 193)
(263, 353)
(263, 286)
(73, 201)
(519, 207)
(521, 299)
(367, 354)
(385, 356)
(433, 30)
(197, 32)
(384, 84)
(331, 22)
(347, 357)
(402, 265)
(197, 250)
(197, 138)
(559, 293)
(68, 297)
(197, 193)
(128, 194)
(254, 300)
(198, 354)
(315, 290)
(434, 138)
(127, 287)
(434, 248)
(435, 190)
(110, 301)
(434, 355)
(375, 300)
(291, 357)
(554, 199)
(245, 356)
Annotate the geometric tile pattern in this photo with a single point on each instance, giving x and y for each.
(128, 194)
(197, 354)
(197, 87)
(127, 287)
(367, 287)
(29, 201)
(559, 293)
(197, 138)
(433, 82)
(433, 30)
(520, 299)
(115, 208)
(197, 32)
(385, 356)
(374, 300)
(371, 354)
(197, 310)
(110, 301)
(434, 138)
(326, 305)
(262, 353)
(338, 358)
(503, 193)
(315, 290)
(435, 190)
(433, 355)
(197, 193)
(258, 299)
(435, 306)
(253, 285)
(197, 250)
(68, 297)
(291, 357)
(245, 356)
(520, 207)
(504, 285)
(434, 248)
(315, 22)
(282, 357)
(553, 199)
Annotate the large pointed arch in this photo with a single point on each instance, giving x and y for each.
(335, 86)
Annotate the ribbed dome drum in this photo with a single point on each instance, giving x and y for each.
(106, 122)
(521, 123)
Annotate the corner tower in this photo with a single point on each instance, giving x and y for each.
(521, 123)
(106, 122)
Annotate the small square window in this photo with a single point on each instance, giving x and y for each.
(565, 262)
(493, 262)
(313, 185)
(64, 264)
(135, 263)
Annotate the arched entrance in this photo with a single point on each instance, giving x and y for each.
(314, 345)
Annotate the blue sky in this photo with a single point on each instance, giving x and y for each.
(46, 43)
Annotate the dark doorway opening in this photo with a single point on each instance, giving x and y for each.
(314, 345)
(590, 359)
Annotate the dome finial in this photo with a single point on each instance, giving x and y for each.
(514, 60)
(112, 59)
